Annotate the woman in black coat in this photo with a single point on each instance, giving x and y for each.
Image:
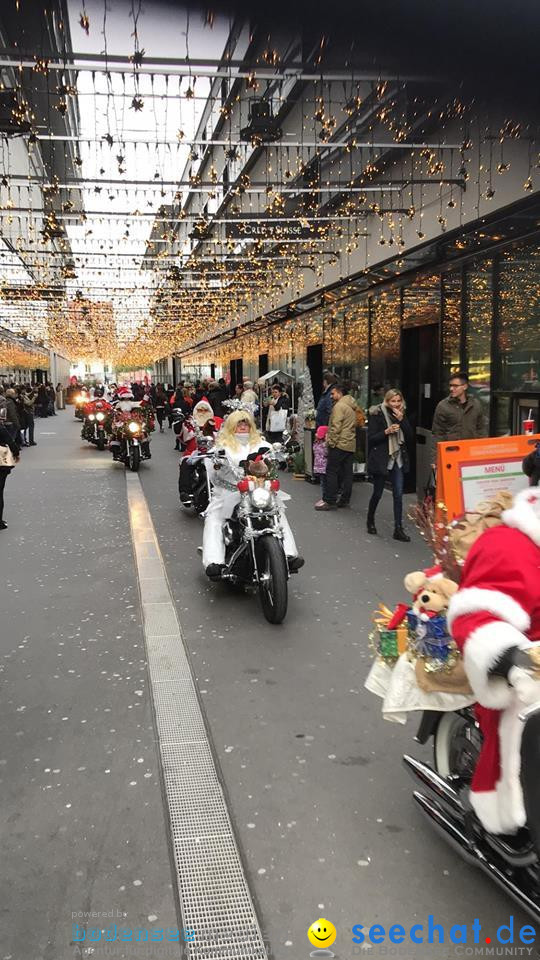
(5, 441)
(389, 433)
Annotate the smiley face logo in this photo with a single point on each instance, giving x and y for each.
(322, 933)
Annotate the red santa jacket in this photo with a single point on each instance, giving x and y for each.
(498, 607)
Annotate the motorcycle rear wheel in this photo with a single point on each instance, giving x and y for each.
(456, 746)
(273, 571)
(134, 459)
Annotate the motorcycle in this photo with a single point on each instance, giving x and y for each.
(95, 424)
(130, 442)
(80, 400)
(93, 429)
(253, 537)
(513, 861)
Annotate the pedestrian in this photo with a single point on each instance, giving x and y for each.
(248, 393)
(29, 398)
(21, 414)
(42, 402)
(12, 422)
(278, 412)
(324, 406)
(217, 393)
(389, 433)
(51, 397)
(160, 402)
(320, 457)
(238, 391)
(341, 442)
(9, 456)
(458, 417)
(60, 402)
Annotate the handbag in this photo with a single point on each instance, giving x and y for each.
(6, 457)
(278, 420)
(429, 489)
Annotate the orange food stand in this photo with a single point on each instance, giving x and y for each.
(469, 471)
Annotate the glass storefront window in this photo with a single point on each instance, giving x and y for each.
(479, 315)
(385, 342)
(451, 326)
(519, 320)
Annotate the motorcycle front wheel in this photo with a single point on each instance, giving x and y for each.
(101, 443)
(134, 459)
(272, 579)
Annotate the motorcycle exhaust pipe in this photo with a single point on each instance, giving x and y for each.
(439, 788)
(448, 828)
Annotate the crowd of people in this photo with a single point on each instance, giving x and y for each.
(390, 438)
(20, 404)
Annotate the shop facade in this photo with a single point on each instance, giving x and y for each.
(476, 310)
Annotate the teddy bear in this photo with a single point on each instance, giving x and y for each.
(431, 592)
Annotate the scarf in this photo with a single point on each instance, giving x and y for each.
(395, 440)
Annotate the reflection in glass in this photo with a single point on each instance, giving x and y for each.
(385, 342)
(519, 319)
(479, 314)
(451, 325)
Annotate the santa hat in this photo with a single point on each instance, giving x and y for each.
(124, 393)
(433, 573)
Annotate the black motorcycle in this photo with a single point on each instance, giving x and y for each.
(253, 537)
(130, 443)
(194, 483)
(94, 429)
(442, 790)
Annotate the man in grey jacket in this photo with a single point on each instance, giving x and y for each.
(458, 416)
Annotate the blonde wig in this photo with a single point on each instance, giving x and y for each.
(227, 434)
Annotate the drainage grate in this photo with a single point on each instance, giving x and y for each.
(215, 899)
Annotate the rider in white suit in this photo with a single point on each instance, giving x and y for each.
(238, 438)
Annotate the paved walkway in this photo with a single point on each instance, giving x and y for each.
(317, 797)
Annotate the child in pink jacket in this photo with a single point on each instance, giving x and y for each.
(320, 456)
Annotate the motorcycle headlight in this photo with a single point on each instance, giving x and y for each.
(79, 399)
(91, 416)
(133, 427)
(100, 417)
(261, 498)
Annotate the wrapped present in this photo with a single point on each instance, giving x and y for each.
(389, 642)
(431, 641)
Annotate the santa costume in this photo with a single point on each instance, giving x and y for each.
(495, 611)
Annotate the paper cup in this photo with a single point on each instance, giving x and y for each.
(528, 426)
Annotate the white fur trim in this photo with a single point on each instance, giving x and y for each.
(524, 515)
(486, 808)
(509, 792)
(478, 600)
(482, 650)
(502, 810)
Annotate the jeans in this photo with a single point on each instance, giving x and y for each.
(339, 476)
(395, 475)
(4, 473)
(30, 426)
